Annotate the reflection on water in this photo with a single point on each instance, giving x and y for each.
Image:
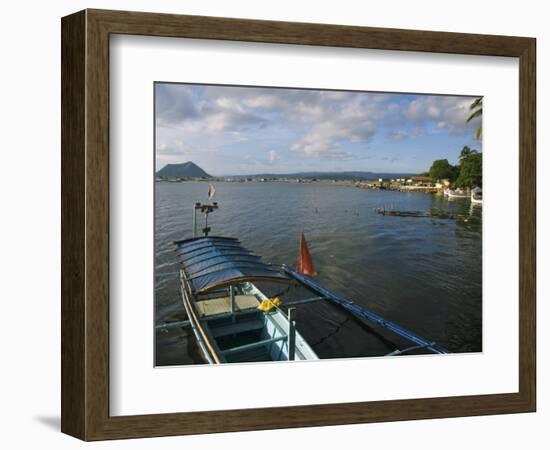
(422, 273)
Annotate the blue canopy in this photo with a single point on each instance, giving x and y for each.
(212, 262)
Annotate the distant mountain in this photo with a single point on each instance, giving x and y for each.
(352, 175)
(184, 170)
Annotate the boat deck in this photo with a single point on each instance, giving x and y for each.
(222, 305)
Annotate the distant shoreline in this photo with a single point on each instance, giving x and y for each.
(271, 180)
(388, 185)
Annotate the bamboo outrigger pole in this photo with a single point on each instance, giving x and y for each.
(358, 311)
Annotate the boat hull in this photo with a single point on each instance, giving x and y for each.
(457, 195)
(246, 334)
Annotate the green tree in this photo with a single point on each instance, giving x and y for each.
(441, 169)
(466, 151)
(476, 109)
(470, 174)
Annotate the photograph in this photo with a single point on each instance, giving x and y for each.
(243, 225)
(298, 224)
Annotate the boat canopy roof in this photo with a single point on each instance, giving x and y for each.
(212, 262)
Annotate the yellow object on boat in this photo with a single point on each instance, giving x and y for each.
(269, 304)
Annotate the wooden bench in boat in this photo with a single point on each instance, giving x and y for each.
(222, 305)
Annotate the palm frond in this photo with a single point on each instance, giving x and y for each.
(479, 132)
(475, 114)
(478, 102)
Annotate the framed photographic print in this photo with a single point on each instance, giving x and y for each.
(270, 224)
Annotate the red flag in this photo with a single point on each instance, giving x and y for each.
(304, 264)
(211, 191)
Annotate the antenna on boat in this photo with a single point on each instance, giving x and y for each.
(195, 207)
(206, 209)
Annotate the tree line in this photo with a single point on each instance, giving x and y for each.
(468, 172)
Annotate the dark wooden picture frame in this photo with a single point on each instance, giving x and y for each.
(85, 224)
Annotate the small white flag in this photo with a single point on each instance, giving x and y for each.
(211, 191)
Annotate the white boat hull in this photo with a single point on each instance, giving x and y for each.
(476, 201)
(246, 335)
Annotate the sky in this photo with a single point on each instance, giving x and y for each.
(234, 130)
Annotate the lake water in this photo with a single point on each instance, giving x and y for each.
(422, 273)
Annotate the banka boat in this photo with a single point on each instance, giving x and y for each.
(477, 196)
(234, 321)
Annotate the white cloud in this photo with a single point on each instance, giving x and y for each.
(273, 156)
(398, 135)
(232, 120)
(321, 121)
(448, 112)
(324, 140)
(174, 104)
(322, 125)
(335, 122)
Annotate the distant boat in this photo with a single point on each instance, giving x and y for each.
(456, 193)
(476, 196)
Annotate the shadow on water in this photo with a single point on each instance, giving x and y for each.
(422, 273)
